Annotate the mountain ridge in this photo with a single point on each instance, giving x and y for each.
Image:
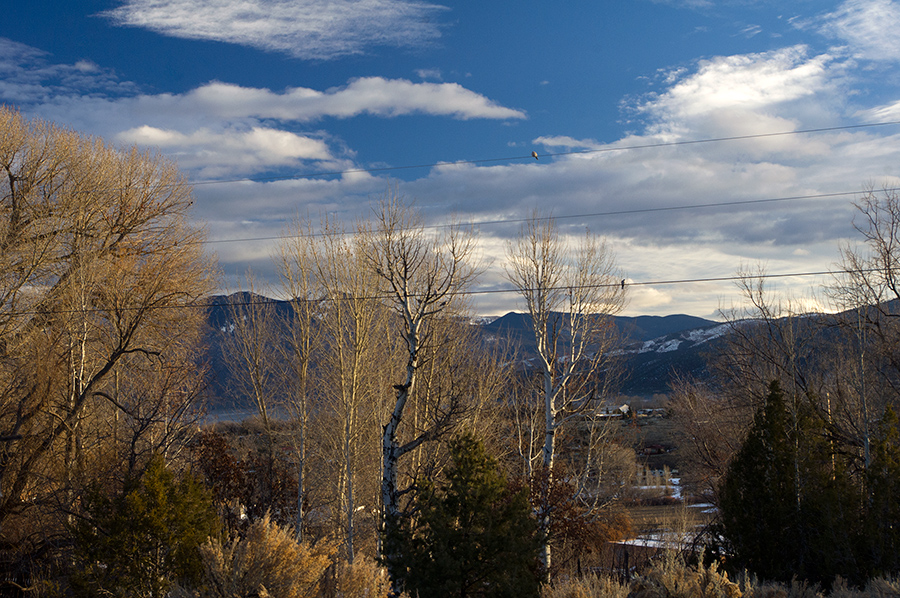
(655, 350)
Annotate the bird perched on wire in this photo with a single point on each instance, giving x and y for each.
(534, 155)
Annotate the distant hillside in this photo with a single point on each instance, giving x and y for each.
(656, 349)
(639, 328)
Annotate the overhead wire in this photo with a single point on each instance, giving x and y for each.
(229, 301)
(479, 223)
(548, 154)
(519, 220)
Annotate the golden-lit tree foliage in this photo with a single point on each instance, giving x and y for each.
(99, 274)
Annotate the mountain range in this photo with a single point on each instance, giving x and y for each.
(654, 350)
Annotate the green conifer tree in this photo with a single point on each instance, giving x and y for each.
(476, 537)
(756, 499)
(139, 542)
(881, 535)
(788, 507)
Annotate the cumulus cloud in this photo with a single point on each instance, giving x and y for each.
(309, 29)
(628, 195)
(870, 28)
(748, 82)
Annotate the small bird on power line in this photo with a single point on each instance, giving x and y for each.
(534, 155)
(623, 284)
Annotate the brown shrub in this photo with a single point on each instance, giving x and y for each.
(671, 578)
(267, 561)
(363, 579)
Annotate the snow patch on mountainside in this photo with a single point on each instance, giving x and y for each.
(684, 339)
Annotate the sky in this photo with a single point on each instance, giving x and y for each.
(279, 108)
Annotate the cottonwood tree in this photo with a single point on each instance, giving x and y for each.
(298, 283)
(99, 273)
(422, 276)
(341, 326)
(570, 292)
(351, 344)
(711, 426)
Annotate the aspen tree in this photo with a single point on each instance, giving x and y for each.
(569, 292)
(423, 276)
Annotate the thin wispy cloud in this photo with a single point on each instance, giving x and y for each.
(308, 29)
(870, 28)
(566, 143)
(28, 76)
(430, 74)
(751, 30)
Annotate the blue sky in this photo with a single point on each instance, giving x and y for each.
(246, 90)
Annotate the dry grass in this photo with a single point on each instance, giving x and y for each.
(590, 586)
(671, 578)
(363, 579)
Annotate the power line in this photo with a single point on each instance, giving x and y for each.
(462, 293)
(480, 223)
(548, 154)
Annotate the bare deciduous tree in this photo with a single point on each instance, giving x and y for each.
(868, 289)
(423, 277)
(350, 341)
(298, 282)
(252, 348)
(569, 294)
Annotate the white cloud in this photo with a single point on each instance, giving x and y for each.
(629, 192)
(221, 128)
(871, 28)
(888, 112)
(27, 77)
(374, 96)
(219, 153)
(566, 142)
(432, 74)
(368, 95)
(751, 31)
(310, 29)
(748, 82)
